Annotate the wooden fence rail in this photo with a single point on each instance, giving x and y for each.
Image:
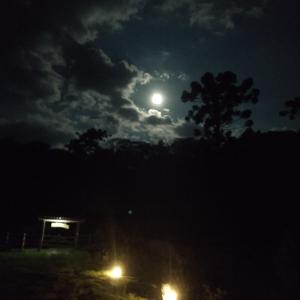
(12, 240)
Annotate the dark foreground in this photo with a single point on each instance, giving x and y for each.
(57, 275)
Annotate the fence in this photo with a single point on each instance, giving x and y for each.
(13, 240)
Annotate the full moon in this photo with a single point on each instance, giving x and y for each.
(157, 99)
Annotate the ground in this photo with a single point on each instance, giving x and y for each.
(58, 275)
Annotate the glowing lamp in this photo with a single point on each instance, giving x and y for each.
(168, 293)
(115, 273)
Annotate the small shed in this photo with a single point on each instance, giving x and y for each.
(62, 223)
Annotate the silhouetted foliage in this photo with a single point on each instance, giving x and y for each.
(292, 109)
(219, 98)
(87, 143)
(207, 293)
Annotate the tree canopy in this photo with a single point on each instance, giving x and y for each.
(220, 101)
(87, 143)
(292, 108)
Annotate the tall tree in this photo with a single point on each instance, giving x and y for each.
(88, 142)
(219, 99)
(292, 108)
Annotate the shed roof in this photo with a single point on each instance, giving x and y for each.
(60, 219)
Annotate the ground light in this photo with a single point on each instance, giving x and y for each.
(115, 272)
(168, 292)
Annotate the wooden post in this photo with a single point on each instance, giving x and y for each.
(23, 241)
(89, 240)
(7, 239)
(42, 235)
(77, 234)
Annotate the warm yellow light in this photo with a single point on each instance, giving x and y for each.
(115, 273)
(157, 99)
(168, 293)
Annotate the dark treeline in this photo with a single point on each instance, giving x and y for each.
(234, 208)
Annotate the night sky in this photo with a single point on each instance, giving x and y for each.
(67, 66)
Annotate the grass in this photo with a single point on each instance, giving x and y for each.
(57, 275)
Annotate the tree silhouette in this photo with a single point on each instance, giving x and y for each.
(87, 143)
(292, 108)
(219, 99)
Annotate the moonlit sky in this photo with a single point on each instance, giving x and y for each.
(72, 65)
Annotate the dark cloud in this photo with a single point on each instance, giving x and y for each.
(130, 113)
(32, 131)
(156, 120)
(79, 19)
(185, 129)
(217, 16)
(53, 73)
(91, 69)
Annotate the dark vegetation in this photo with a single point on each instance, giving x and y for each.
(217, 104)
(232, 213)
(292, 108)
(212, 212)
(58, 274)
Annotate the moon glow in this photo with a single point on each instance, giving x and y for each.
(157, 99)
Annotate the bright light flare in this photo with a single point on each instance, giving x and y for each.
(115, 273)
(157, 99)
(60, 225)
(168, 293)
